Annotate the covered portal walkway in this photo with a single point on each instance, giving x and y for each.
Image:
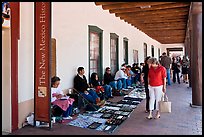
(183, 120)
(164, 24)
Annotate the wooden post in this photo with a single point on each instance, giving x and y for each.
(42, 88)
(196, 50)
(15, 36)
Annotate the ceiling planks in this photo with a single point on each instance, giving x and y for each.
(165, 22)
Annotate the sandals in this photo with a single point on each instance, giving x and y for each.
(149, 117)
(158, 116)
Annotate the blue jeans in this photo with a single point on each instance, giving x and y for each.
(116, 84)
(92, 96)
(108, 90)
(168, 76)
(124, 82)
(133, 79)
(68, 112)
(129, 82)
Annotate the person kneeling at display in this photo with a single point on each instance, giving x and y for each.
(62, 104)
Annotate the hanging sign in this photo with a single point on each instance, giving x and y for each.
(42, 61)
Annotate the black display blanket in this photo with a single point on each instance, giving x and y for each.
(94, 125)
(126, 109)
(114, 117)
(133, 99)
(116, 120)
(128, 102)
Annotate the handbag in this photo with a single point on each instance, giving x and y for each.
(164, 104)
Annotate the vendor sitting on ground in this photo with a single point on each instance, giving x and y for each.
(105, 92)
(61, 103)
(81, 85)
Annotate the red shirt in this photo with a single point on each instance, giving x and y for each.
(156, 76)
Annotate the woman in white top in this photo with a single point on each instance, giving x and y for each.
(57, 94)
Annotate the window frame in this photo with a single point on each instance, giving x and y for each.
(116, 38)
(99, 31)
(152, 50)
(125, 45)
(145, 50)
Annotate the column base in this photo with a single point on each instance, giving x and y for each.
(195, 106)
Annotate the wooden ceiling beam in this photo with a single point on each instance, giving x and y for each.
(153, 7)
(168, 37)
(166, 34)
(156, 18)
(107, 3)
(161, 23)
(167, 31)
(172, 42)
(144, 29)
(167, 15)
(173, 12)
(181, 39)
(155, 12)
(171, 39)
(131, 5)
(160, 26)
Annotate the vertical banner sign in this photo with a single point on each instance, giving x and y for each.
(42, 61)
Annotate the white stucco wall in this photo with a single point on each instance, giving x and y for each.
(6, 82)
(26, 52)
(70, 22)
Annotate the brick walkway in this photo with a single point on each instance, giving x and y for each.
(184, 120)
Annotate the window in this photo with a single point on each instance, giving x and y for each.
(152, 50)
(145, 50)
(125, 50)
(113, 52)
(135, 56)
(95, 52)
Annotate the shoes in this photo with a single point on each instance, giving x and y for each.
(149, 117)
(158, 116)
(69, 117)
(129, 87)
(111, 97)
(101, 103)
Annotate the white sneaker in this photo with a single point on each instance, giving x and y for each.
(69, 117)
(129, 87)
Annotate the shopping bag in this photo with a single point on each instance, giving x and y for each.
(164, 104)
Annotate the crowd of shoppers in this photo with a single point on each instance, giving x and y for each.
(153, 73)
